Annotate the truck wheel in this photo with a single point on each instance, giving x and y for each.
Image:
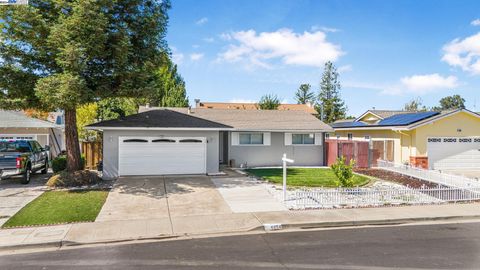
(26, 176)
(45, 168)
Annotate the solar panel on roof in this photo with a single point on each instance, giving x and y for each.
(395, 120)
(406, 119)
(349, 124)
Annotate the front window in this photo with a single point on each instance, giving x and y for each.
(350, 136)
(16, 146)
(251, 138)
(303, 138)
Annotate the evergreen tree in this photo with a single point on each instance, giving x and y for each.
(451, 103)
(170, 88)
(269, 102)
(330, 105)
(304, 94)
(58, 54)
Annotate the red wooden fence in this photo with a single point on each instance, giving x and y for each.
(356, 150)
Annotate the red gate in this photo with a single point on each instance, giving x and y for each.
(356, 150)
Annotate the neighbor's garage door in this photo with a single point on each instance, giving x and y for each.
(157, 156)
(454, 153)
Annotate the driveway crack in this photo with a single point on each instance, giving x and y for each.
(168, 205)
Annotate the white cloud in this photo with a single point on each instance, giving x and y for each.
(306, 49)
(464, 53)
(196, 56)
(325, 29)
(475, 22)
(422, 84)
(202, 21)
(177, 57)
(345, 68)
(225, 36)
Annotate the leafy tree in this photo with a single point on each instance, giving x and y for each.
(415, 105)
(113, 108)
(451, 103)
(331, 107)
(344, 172)
(58, 54)
(86, 115)
(269, 102)
(36, 114)
(304, 94)
(170, 87)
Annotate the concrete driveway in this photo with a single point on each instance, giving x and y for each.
(14, 195)
(157, 197)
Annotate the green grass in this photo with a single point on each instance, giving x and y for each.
(305, 177)
(53, 207)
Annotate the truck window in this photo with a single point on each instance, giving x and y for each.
(14, 146)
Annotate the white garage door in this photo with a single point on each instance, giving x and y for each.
(454, 153)
(166, 155)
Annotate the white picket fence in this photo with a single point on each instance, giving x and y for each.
(430, 175)
(365, 197)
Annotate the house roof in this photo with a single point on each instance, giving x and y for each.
(403, 121)
(254, 106)
(162, 118)
(14, 119)
(252, 120)
(381, 114)
(395, 119)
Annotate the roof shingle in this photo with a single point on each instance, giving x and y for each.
(13, 119)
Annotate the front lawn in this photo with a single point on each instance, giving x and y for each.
(304, 177)
(54, 207)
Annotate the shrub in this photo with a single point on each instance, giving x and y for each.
(75, 179)
(344, 172)
(60, 163)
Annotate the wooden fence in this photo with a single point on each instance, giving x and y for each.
(357, 150)
(92, 151)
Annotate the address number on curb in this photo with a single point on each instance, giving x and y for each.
(272, 227)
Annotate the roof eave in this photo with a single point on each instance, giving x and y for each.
(100, 128)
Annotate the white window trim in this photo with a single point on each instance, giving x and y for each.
(318, 139)
(236, 138)
(304, 144)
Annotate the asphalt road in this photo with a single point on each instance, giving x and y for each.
(452, 246)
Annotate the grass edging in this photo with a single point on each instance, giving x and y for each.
(303, 177)
(59, 207)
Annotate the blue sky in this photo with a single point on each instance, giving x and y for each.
(387, 52)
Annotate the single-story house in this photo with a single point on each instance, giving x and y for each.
(16, 125)
(161, 141)
(448, 140)
(309, 108)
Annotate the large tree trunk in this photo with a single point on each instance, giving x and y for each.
(74, 162)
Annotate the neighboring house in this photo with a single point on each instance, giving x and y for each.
(254, 106)
(16, 125)
(447, 140)
(160, 141)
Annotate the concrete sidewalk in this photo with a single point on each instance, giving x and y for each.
(115, 231)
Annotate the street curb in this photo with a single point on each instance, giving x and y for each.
(67, 243)
(339, 224)
(260, 229)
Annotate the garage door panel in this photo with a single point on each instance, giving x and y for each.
(157, 158)
(453, 153)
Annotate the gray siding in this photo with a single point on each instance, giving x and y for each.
(110, 147)
(271, 155)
